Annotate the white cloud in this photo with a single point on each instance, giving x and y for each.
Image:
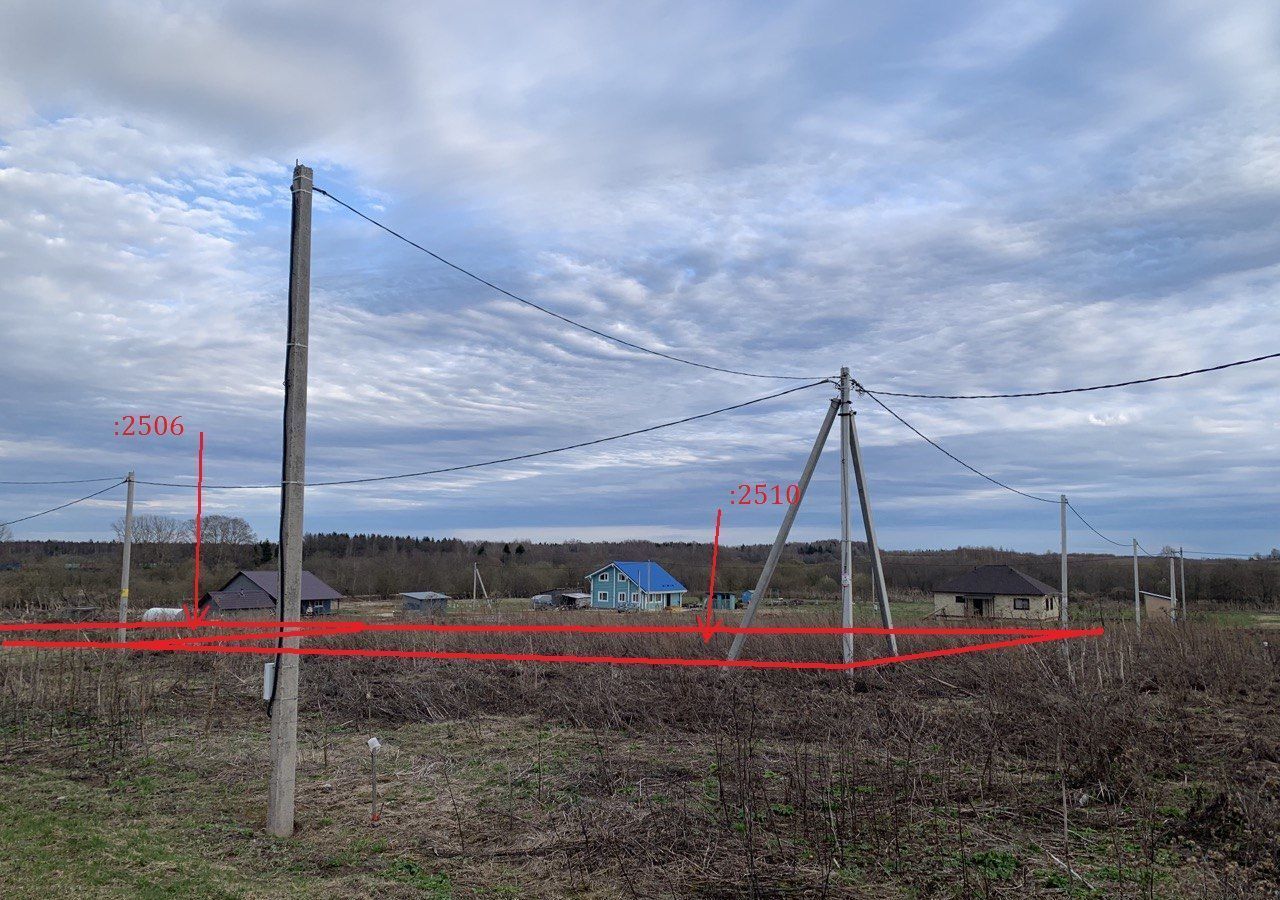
(961, 199)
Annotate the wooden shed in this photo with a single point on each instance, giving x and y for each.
(1158, 607)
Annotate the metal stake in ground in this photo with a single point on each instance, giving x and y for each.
(125, 556)
(878, 584)
(374, 746)
(784, 529)
(284, 703)
(846, 548)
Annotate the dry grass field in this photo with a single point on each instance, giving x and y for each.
(1151, 770)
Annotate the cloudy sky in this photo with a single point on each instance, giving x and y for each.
(946, 197)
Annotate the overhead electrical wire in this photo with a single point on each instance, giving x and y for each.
(1210, 553)
(1076, 390)
(997, 482)
(1094, 530)
(542, 309)
(505, 459)
(67, 480)
(1015, 490)
(65, 505)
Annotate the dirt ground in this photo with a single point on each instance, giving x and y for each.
(1151, 770)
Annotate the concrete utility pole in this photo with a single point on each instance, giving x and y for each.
(284, 702)
(1137, 594)
(125, 557)
(784, 529)
(1062, 605)
(1173, 591)
(1182, 578)
(846, 548)
(878, 583)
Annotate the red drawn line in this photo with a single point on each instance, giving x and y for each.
(351, 627)
(710, 622)
(181, 646)
(194, 615)
(195, 593)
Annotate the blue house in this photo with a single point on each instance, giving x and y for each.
(635, 586)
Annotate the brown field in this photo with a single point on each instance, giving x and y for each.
(1151, 770)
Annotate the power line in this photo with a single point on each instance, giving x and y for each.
(1077, 390)
(1211, 553)
(504, 459)
(947, 452)
(501, 290)
(996, 482)
(64, 505)
(67, 481)
(1094, 530)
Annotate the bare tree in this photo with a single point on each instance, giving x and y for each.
(222, 534)
(6, 533)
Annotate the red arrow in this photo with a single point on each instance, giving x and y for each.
(195, 616)
(710, 624)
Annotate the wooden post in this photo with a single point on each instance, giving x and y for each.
(1182, 578)
(1062, 604)
(878, 584)
(1137, 594)
(846, 547)
(125, 557)
(284, 702)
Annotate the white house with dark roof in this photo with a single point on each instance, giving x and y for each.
(995, 592)
(634, 586)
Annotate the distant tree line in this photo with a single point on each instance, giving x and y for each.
(376, 564)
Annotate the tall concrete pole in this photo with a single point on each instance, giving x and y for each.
(125, 557)
(1173, 590)
(784, 529)
(1137, 594)
(1062, 605)
(1182, 578)
(846, 547)
(873, 544)
(284, 702)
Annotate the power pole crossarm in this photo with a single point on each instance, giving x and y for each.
(284, 703)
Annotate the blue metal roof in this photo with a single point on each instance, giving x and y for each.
(650, 576)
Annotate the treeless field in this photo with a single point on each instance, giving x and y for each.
(1151, 770)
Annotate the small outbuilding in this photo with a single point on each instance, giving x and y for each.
(724, 600)
(995, 592)
(1158, 607)
(425, 602)
(561, 598)
(250, 591)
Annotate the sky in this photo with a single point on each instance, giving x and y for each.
(951, 197)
